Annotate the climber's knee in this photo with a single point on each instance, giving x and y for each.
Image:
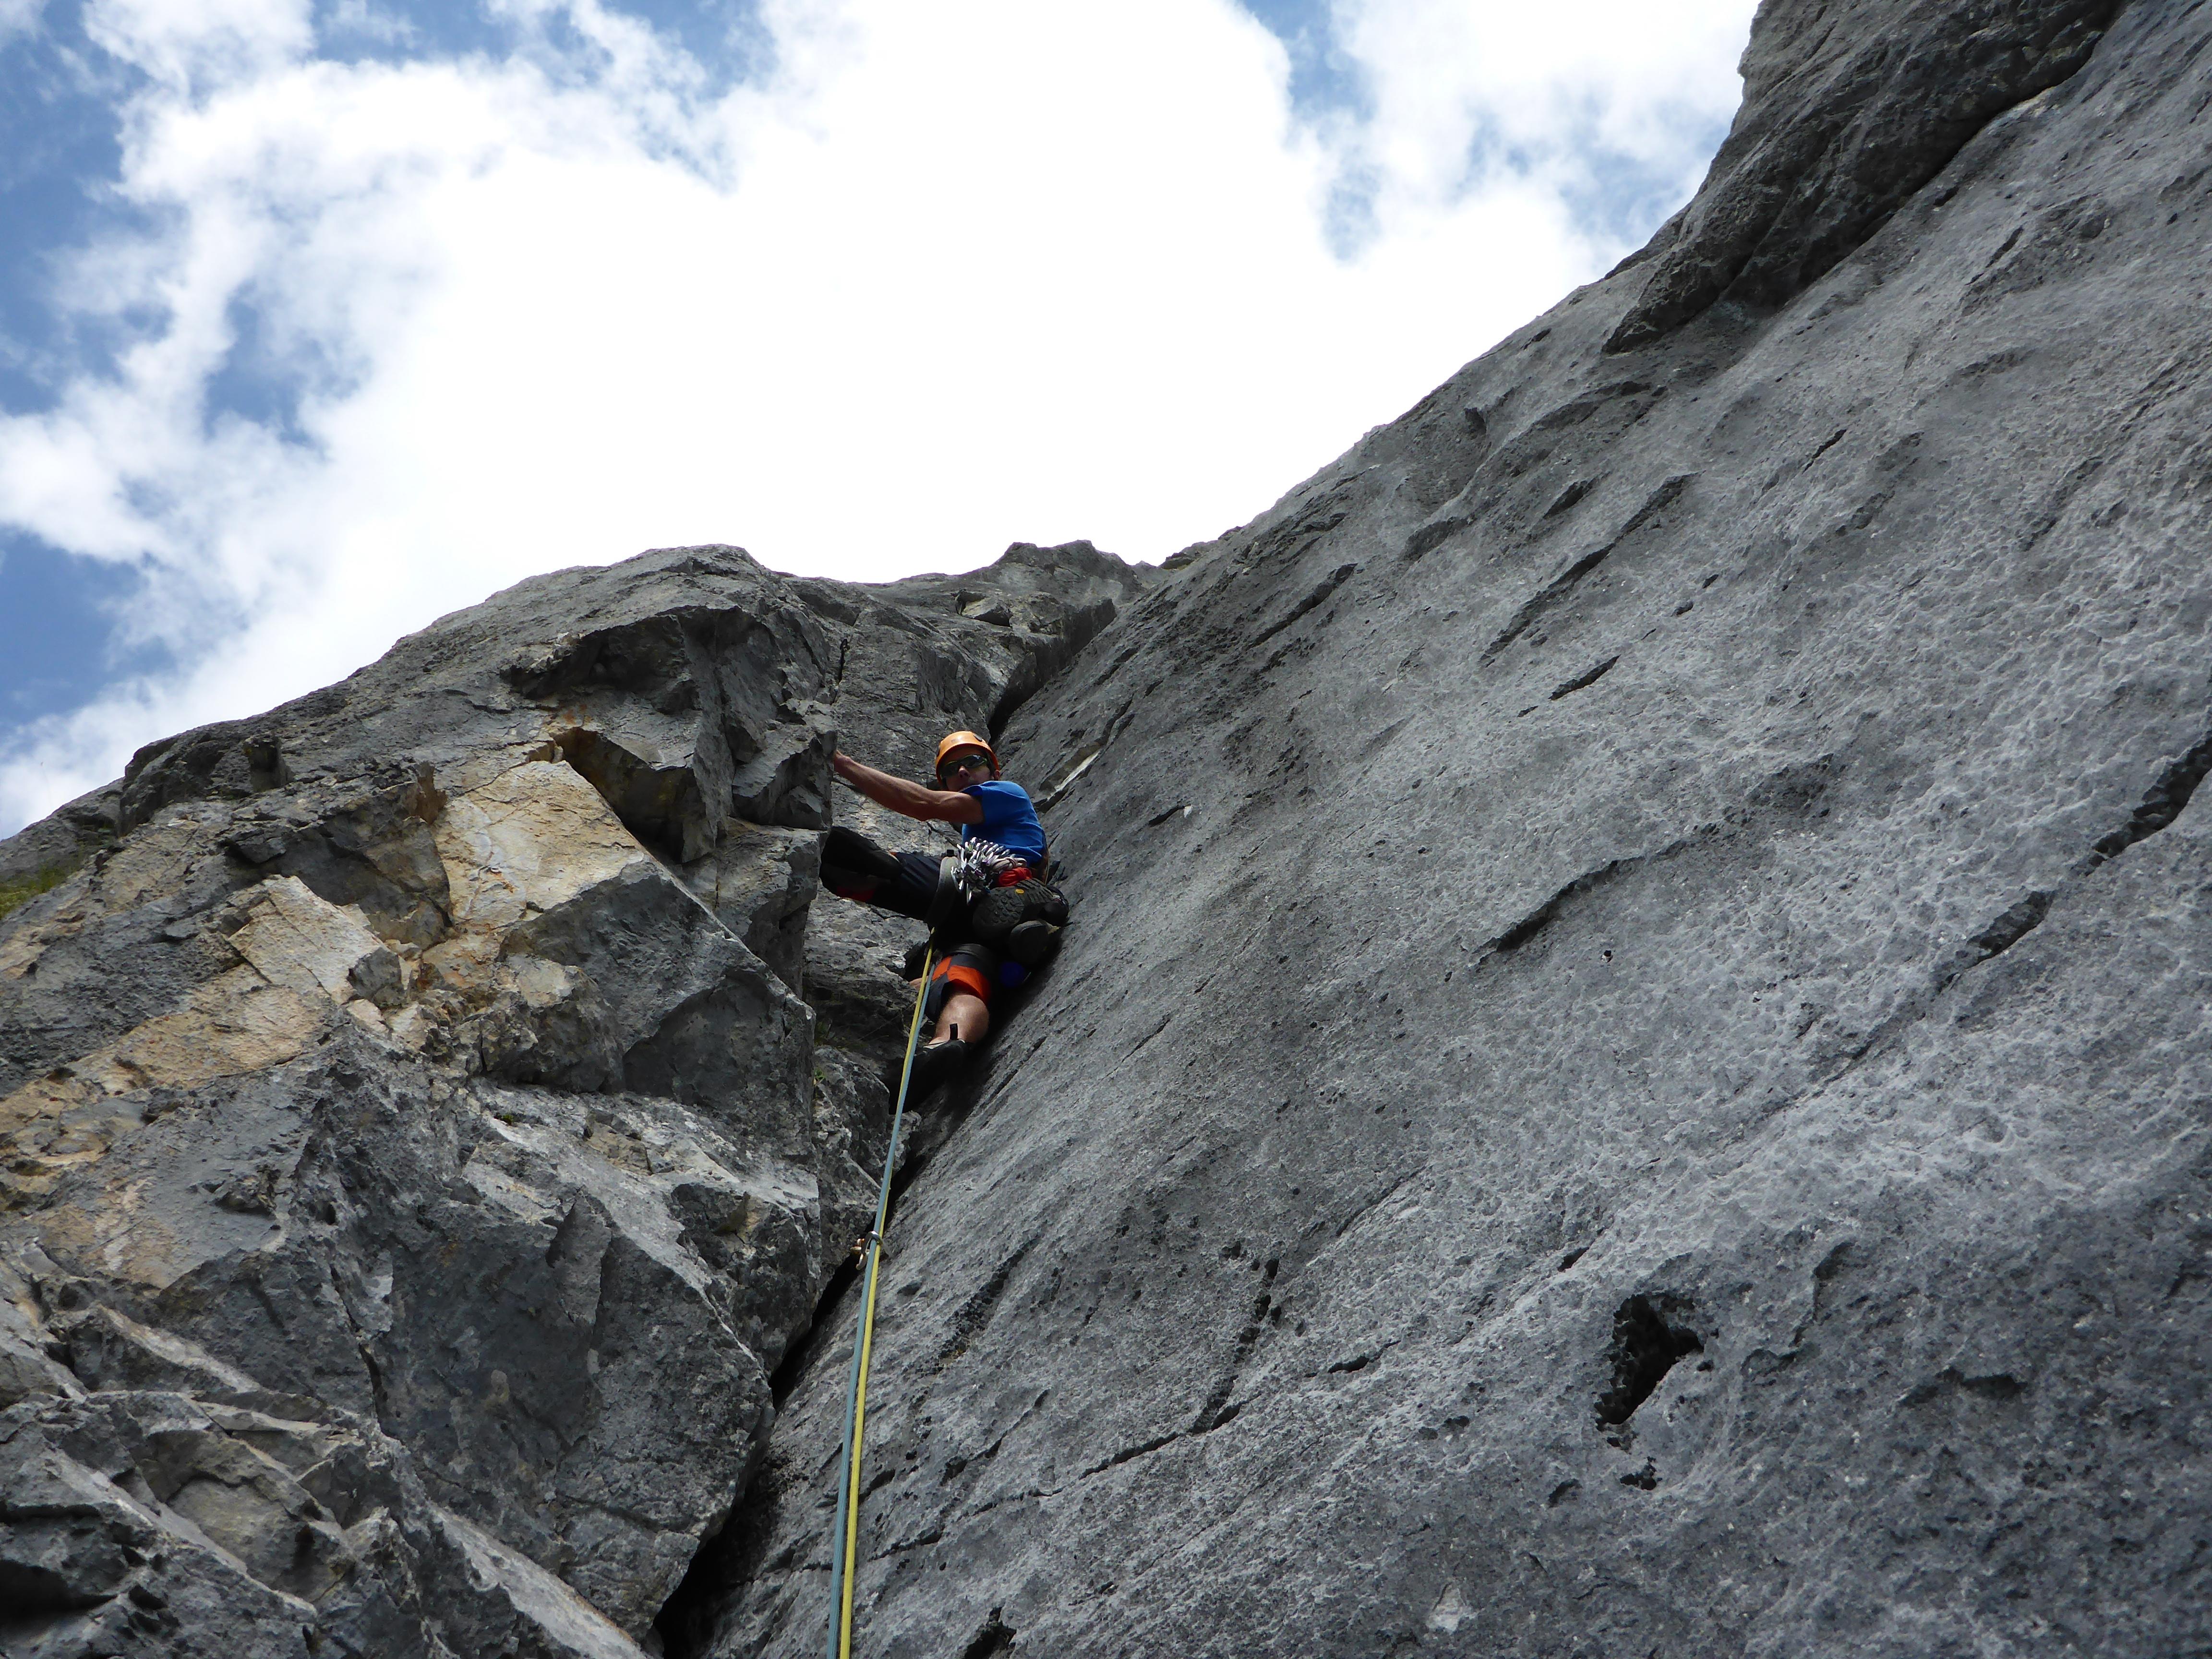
(965, 1016)
(854, 867)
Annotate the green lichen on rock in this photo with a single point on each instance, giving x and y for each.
(20, 890)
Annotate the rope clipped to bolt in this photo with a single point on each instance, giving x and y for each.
(870, 1251)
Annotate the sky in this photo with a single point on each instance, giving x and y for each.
(320, 318)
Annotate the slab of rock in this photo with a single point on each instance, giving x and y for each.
(761, 882)
(1632, 1074)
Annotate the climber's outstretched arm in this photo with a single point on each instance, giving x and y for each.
(944, 805)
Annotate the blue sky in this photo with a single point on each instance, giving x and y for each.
(321, 317)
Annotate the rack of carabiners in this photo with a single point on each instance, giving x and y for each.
(844, 1541)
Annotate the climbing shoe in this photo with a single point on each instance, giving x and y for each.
(1002, 909)
(1033, 943)
(933, 1065)
(997, 911)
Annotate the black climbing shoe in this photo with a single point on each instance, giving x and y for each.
(933, 1065)
(1002, 909)
(1033, 943)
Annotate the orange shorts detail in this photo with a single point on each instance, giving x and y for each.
(970, 980)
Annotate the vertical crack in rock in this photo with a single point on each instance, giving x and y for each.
(1218, 1409)
(976, 1312)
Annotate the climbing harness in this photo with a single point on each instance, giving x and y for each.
(981, 863)
(971, 870)
(871, 1251)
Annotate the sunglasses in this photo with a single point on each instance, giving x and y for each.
(953, 768)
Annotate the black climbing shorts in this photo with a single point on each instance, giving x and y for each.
(973, 969)
(906, 884)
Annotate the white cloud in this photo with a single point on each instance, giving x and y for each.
(1463, 90)
(950, 277)
(203, 44)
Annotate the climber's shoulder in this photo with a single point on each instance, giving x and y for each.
(1010, 819)
(1002, 790)
(959, 806)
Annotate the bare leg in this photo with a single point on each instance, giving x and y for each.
(965, 1017)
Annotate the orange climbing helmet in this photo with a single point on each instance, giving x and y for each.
(958, 740)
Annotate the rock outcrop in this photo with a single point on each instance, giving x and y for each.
(420, 1151)
(1632, 1075)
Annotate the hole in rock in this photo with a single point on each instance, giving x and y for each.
(28, 1590)
(995, 1637)
(1646, 1346)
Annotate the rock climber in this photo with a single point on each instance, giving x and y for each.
(992, 910)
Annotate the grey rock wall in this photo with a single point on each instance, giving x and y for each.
(420, 1151)
(1632, 1076)
(1844, 118)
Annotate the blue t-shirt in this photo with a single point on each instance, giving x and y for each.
(1008, 819)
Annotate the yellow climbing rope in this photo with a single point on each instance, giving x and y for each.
(846, 1539)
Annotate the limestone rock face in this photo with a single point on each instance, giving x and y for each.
(1632, 1073)
(1842, 120)
(1631, 1076)
(420, 1152)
